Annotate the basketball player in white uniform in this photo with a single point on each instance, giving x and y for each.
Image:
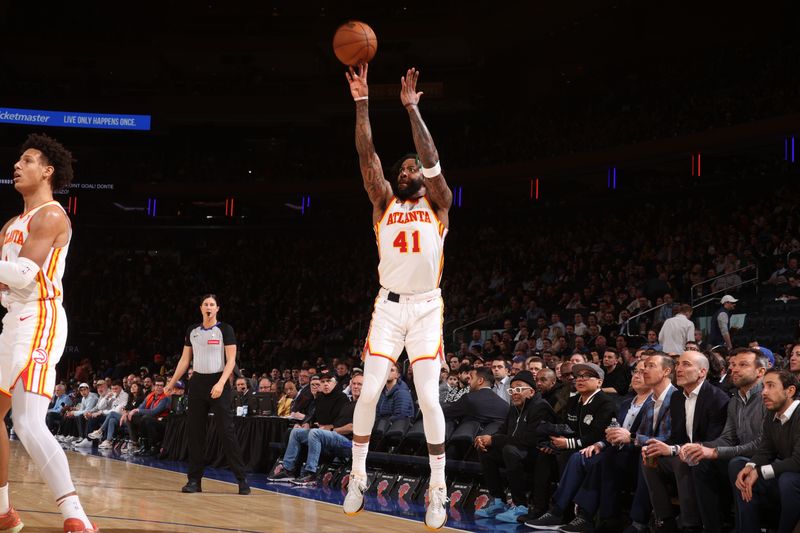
(32, 261)
(410, 226)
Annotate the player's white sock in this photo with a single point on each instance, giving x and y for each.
(4, 505)
(360, 451)
(71, 507)
(437, 469)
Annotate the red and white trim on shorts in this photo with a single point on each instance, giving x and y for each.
(34, 374)
(368, 351)
(439, 353)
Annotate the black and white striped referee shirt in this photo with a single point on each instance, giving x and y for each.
(208, 346)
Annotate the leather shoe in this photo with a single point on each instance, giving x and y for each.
(244, 488)
(191, 487)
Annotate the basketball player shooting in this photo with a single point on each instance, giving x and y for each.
(34, 254)
(410, 227)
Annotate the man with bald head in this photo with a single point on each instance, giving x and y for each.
(698, 412)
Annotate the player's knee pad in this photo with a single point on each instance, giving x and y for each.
(371, 390)
(428, 400)
(27, 425)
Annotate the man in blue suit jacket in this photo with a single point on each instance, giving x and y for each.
(698, 414)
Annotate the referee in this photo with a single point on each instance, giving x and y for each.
(211, 348)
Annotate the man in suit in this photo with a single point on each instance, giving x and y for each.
(740, 438)
(513, 447)
(656, 423)
(773, 474)
(480, 404)
(698, 414)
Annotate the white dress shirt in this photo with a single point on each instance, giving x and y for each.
(691, 403)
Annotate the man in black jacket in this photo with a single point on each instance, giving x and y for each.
(481, 404)
(513, 447)
(698, 414)
(588, 415)
(773, 474)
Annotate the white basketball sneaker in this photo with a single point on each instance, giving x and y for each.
(436, 513)
(354, 501)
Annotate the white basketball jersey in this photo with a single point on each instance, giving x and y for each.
(410, 247)
(47, 284)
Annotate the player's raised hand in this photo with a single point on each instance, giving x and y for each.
(358, 81)
(408, 88)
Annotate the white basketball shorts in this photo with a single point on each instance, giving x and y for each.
(31, 344)
(414, 322)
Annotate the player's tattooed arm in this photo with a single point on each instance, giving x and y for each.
(375, 183)
(437, 188)
(377, 187)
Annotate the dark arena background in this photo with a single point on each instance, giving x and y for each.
(613, 159)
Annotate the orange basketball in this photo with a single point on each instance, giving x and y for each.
(354, 43)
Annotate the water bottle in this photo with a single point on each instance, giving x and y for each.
(615, 424)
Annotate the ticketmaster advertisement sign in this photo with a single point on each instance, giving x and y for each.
(74, 119)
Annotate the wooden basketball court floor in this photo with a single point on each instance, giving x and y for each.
(123, 497)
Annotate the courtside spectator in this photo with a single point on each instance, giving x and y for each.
(329, 403)
(698, 414)
(58, 405)
(481, 405)
(772, 476)
(739, 438)
(395, 401)
(588, 415)
(513, 447)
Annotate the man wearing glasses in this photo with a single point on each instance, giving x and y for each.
(513, 447)
(588, 414)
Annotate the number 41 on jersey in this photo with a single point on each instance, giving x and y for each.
(401, 242)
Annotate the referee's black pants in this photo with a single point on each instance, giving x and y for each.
(200, 404)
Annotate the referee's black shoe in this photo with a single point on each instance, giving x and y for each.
(192, 486)
(244, 488)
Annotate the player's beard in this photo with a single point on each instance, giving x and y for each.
(411, 190)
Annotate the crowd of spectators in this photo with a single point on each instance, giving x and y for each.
(298, 294)
(553, 341)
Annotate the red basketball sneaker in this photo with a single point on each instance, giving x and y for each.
(76, 525)
(10, 522)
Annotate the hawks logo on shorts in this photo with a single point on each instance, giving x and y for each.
(39, 357)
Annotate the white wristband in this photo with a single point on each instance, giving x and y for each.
(432, 172)
(359, 98)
